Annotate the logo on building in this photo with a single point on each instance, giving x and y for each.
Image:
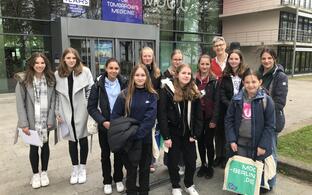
(78, 2)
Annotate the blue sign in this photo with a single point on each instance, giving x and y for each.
(122, 11)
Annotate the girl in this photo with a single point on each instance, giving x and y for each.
(180, 122)
(73, 84)
(147, 58)
(249, 124)
(176, 61)
(100, 105)
(35, 102)
(138, 101)
(276, 82)
(207, 84)
(230, 85)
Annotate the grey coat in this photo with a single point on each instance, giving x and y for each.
(81, 89)
(25, 98)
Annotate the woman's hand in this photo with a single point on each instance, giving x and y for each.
(49, 126)
(106, 124)
(168, 143)
(212, 125)
(59, 119)
(234, 147)
(260, 151)
(26, 130)
(192, 139)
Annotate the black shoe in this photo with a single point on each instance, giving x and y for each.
(209, 173)
(202, 171)
(264, 191)
(217, 162)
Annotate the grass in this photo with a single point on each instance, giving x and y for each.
(297, 145)
(303, 78)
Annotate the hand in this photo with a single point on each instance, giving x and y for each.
(106, 124)
(49, 126)
(168, 143)
(234, 147)
(192, 139)
(26, 130)
(212, 125)
(59, 119)
(260, 151)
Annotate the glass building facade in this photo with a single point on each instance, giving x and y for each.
(25, 27)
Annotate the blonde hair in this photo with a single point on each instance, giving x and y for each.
(156, 70)
(189, 91)
(63, 70)
(131, 86)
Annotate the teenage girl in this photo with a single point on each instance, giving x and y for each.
(180, 122)
(73, 85)
(35, 102)
(250, 120)
(138, 101)
(207, 84)
(100, 105)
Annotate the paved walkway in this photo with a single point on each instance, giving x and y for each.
(15, 171)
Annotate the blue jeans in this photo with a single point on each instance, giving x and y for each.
(272, 182)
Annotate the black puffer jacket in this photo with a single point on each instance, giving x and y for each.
(98, 93)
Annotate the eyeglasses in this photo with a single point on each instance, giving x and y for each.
(220, 45)
(176, 60)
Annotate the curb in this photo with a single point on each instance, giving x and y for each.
(295, 168)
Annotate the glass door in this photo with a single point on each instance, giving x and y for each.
(126, 59)
(103, 51)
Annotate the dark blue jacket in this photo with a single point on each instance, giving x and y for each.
(143, 108)
(262, 124)
(98, 95)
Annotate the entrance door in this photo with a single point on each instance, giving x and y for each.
(128, 53)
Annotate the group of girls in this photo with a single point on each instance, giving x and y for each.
(186, 105)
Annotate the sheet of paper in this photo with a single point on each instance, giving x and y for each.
(32, 139)
(64, 129)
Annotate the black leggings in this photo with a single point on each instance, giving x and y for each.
(205, 145)
(34, 157)
(73, 149)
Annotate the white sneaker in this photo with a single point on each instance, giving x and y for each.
(181, 170)
(35, 181)
(191, 190)
(82, 175)
(74, 175)
(176, 191)
(44, 179)
(120, 187)
(108, 189)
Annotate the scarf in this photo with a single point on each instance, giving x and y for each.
(41, 107)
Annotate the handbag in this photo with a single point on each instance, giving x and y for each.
(242, 175)
(92, 126)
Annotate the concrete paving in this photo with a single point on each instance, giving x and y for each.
(15, 170)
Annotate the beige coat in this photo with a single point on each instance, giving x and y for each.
(81, 90)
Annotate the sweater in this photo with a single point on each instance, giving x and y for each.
(143, 108)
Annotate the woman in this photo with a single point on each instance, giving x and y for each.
(276, 82)
(180, 122)
(207, 84)
(147, 58)
(73, 85)
(138, 101)
(100, 105)
(35, 102)
(218, 63)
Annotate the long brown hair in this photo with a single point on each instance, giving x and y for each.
(228, 71)
(63, 70)
(131, 86)
(189, 91)
(30, 72)
(156, 70)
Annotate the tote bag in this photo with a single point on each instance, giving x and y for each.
(243, 175)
